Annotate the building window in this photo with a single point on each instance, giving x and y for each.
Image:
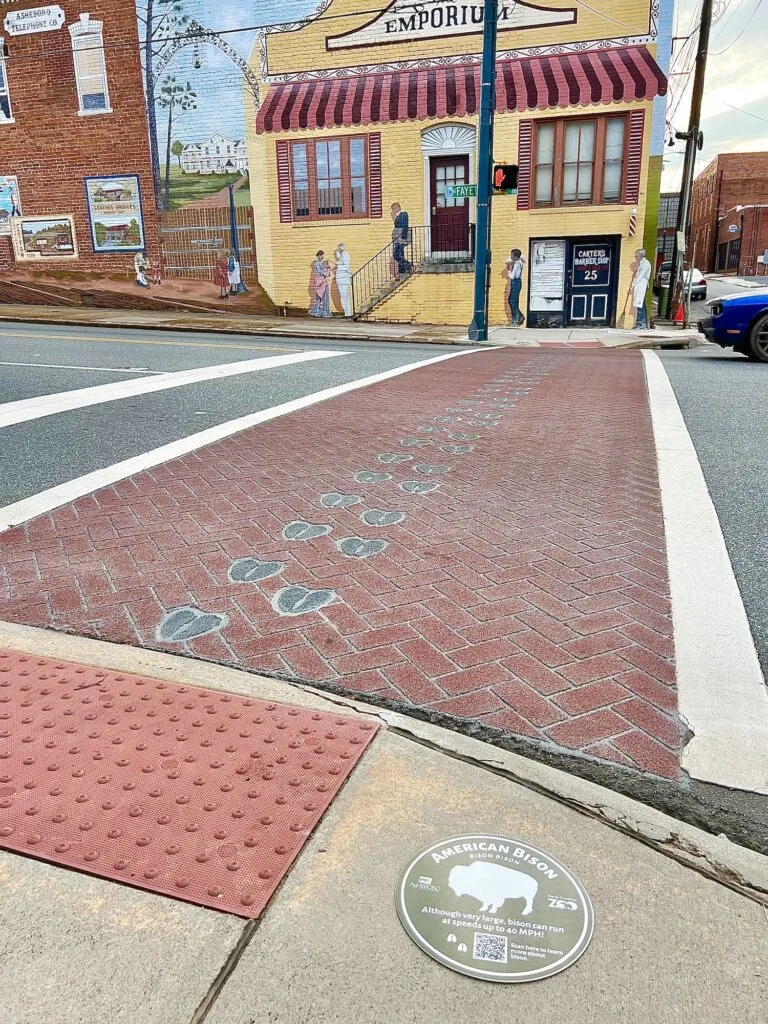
(329, 178)
(90, 67)
(5, 98)
(580, 161)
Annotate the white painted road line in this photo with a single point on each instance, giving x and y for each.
(98, 369)
(721, 691)
(53, 497)
(48, 405)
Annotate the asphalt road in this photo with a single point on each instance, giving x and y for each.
(723, 400)
(37, 361)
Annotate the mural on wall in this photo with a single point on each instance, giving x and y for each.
(114, 210)
(41, 238)
(10, 202)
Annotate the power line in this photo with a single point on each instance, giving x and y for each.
(719, 53)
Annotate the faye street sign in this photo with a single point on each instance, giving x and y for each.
(495, 908)
(460, 191)
(34, 19)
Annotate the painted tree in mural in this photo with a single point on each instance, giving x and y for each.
(177, 98)
(160, 21)
(177, 148)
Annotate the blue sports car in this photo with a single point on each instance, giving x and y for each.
(740, 321)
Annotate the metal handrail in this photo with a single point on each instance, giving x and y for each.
(378, 277)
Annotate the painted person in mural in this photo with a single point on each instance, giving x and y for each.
(344, 278)
(140, 266)
(221, 274)
(640, 281)
(515, 267)
(233, 273)
(401, 237)
(320, 274)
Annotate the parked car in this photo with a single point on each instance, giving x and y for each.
(693, 277)
(741, 321)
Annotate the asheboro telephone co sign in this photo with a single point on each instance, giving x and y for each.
(405, 21)
(495, 908)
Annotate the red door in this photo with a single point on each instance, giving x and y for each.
(450, 217)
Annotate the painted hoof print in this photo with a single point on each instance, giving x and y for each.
(300, 530)
(297, 600)
(380, 517)
(465, 437)
(253, 570)
(388, 457)
(457, 449)
(418, 486)
(415, 442)
(428, 470)
(187, 623)
(358, 547)
(336, 500)
(430, 430)
(367, 476)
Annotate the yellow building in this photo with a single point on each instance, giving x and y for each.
(362, 110)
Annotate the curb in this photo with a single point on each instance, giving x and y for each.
(742, 868)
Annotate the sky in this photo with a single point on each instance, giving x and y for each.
(735, 107)
(735, 74)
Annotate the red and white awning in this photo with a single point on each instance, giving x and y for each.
(531, 83)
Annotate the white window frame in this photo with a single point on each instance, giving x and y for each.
(84, 28)
(7, 90)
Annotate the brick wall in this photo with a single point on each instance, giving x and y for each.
(51, 148)
(731, 179)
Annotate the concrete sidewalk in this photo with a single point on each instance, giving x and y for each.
(344, 331)
(681, 929)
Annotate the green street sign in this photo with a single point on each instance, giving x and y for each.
(495, 908)
(460, 191)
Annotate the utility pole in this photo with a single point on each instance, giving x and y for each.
(693, 142)
(478, 329)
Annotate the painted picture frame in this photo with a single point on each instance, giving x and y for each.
(115, 213)
(10, 201)
(44, 237)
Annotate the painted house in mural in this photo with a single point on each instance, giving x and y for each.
(75, 172)
(218, 155)
(362, 110)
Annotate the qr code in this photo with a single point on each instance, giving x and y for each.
(490, 947)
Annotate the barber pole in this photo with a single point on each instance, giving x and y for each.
(633, 223)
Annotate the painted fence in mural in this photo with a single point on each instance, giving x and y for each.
(191, 237)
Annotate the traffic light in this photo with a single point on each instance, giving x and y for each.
(505, 179)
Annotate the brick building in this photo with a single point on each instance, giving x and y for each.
(363, 109)
(74, 152)
(729, 214)
(666, 226)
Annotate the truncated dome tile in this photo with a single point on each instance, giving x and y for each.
(200, 795)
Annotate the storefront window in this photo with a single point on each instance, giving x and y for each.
(580, 161)
(329, 178)
(90, 68)
(5, 99)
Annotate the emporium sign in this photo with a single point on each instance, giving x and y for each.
(34, 19)
(405, 21)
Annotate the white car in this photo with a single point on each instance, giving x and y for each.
(693, 278)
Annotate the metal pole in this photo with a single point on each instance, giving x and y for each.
(478, 329)
(233, 222)
(676, 280)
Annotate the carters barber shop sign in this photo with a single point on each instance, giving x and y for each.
(495, 908)
(404, 21)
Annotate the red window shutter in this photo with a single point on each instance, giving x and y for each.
(524, 165)
(634, 156)
(284, 182)
(374, 173)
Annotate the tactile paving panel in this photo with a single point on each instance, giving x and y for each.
(204, 796)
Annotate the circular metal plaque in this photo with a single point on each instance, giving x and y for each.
(495, 908)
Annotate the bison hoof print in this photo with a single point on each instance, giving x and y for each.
(366, 476)
(335, 500)
(394, 457)
(358, 547)
(300, 530)
(380, 517)
(298, 600)
(186, 623)
(253, 570)
(418, 487)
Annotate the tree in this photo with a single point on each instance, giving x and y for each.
(177, 148)
(174, 97)
(159, 21)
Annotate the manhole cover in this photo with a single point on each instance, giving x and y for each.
(495, 908)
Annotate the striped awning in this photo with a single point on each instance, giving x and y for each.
(530, 83)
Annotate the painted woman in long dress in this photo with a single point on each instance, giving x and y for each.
(320, 273)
